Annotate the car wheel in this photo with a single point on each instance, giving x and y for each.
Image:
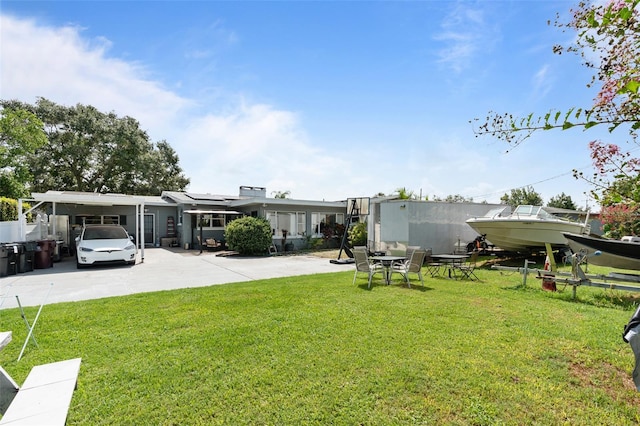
(79, 265)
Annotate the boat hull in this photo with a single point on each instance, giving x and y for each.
(523, 235)
(611, 253)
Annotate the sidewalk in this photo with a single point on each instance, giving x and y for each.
(162, 269)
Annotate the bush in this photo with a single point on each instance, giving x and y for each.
(9, 209)
(249, 235)
(358, 234)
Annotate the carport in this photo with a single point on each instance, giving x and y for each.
(85, 198)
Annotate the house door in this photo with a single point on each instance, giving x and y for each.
(149, 229)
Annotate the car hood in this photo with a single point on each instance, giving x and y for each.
(105, 245)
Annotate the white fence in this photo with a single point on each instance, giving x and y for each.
(10, 231)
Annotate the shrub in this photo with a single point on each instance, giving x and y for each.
(9, 209)
(358, 234)
(249, 235)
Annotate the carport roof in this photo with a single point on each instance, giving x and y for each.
(91, 198)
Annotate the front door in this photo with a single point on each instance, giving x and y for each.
(149, 229)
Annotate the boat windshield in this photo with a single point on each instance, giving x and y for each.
(527, 210)
(536, 211)
(497, 212)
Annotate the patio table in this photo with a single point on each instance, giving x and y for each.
(450, 259)
(387, 262)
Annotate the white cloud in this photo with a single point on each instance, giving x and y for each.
(542, 82)
(464, 36)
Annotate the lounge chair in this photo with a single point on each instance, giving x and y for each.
(364, 265)
(413, 265)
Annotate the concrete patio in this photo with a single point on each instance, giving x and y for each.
(162, 269)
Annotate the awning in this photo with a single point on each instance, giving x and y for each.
(212, 212)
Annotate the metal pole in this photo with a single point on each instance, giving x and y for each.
(34, 323)
(525, 272)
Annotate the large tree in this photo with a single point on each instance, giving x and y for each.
(562, 201)
(96, 152)
(522, 196)
(21, 133)
(608, 40)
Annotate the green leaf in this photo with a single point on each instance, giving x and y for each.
(632, 86)
(590, 124)
(567, 125)
(624, 13)
(578, 112)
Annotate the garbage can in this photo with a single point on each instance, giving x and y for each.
(44, 254)
(30, 255)
(21, 260)
(12, 259)
(4, 260)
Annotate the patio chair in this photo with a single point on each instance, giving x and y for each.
(466, 269)
(413, 265)
(363, 264)
(433, 268)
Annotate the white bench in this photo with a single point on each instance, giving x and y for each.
(45, 396)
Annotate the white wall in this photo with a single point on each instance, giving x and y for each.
(428, 224)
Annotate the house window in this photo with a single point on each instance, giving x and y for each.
(100, 220)
(216, 220)
(294, 223)
(324, 224)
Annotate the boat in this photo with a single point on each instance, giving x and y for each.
(526, 228)
(619, 254)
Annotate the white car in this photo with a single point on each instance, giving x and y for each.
(104, 244)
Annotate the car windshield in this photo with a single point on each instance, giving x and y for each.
(110, 233)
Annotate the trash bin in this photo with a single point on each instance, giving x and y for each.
(12, 259)
(30, 255)
(4, 260)
(44, 254)
(21, 259)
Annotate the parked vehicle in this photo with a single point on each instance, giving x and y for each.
(620, 254)
(104, 244)
(526, 228)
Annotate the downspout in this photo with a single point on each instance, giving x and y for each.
(21, 222)
(142, 232)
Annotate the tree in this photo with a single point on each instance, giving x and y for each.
(457, 198)
(562, 201)
(281, 194)
(610, 33)
(404, 194)
(522, 196)
(95, 152)
(21, 133)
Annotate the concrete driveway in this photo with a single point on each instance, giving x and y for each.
(162, 269)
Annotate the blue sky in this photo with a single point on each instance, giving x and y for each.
(325, 99)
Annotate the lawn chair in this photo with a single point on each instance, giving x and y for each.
(433, 268)
(413, 264)
(466, 269)
(363, 264)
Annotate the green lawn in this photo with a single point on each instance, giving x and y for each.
(319, 350)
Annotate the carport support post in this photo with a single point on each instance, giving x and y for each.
(140, 229)
(200, 224)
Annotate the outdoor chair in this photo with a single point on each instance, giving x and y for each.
(212, 244)
(466, 269)
(363, 264)
(413, 265)
(433, 268)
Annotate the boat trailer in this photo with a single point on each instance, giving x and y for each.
(577, 277)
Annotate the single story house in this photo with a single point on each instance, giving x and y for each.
(180, 218)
